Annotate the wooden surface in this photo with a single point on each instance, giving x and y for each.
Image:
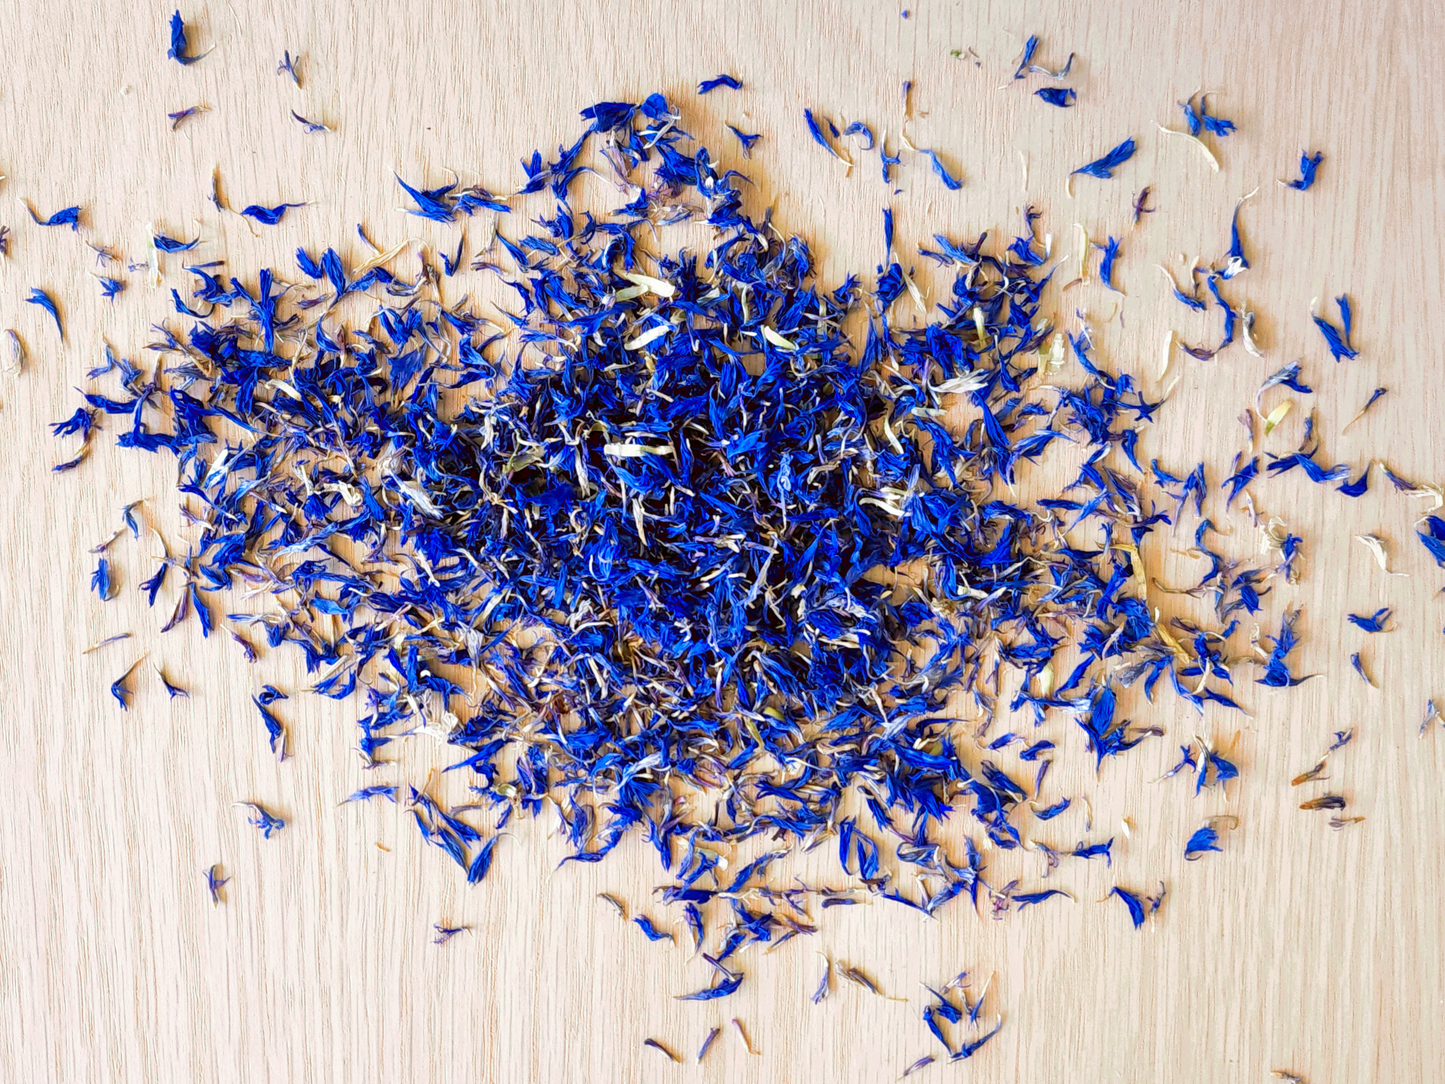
(1297, 948)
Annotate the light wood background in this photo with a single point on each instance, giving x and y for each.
(1297, 948)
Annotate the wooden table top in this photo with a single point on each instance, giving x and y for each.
(1298, 948)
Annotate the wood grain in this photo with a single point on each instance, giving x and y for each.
(1297, 948)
